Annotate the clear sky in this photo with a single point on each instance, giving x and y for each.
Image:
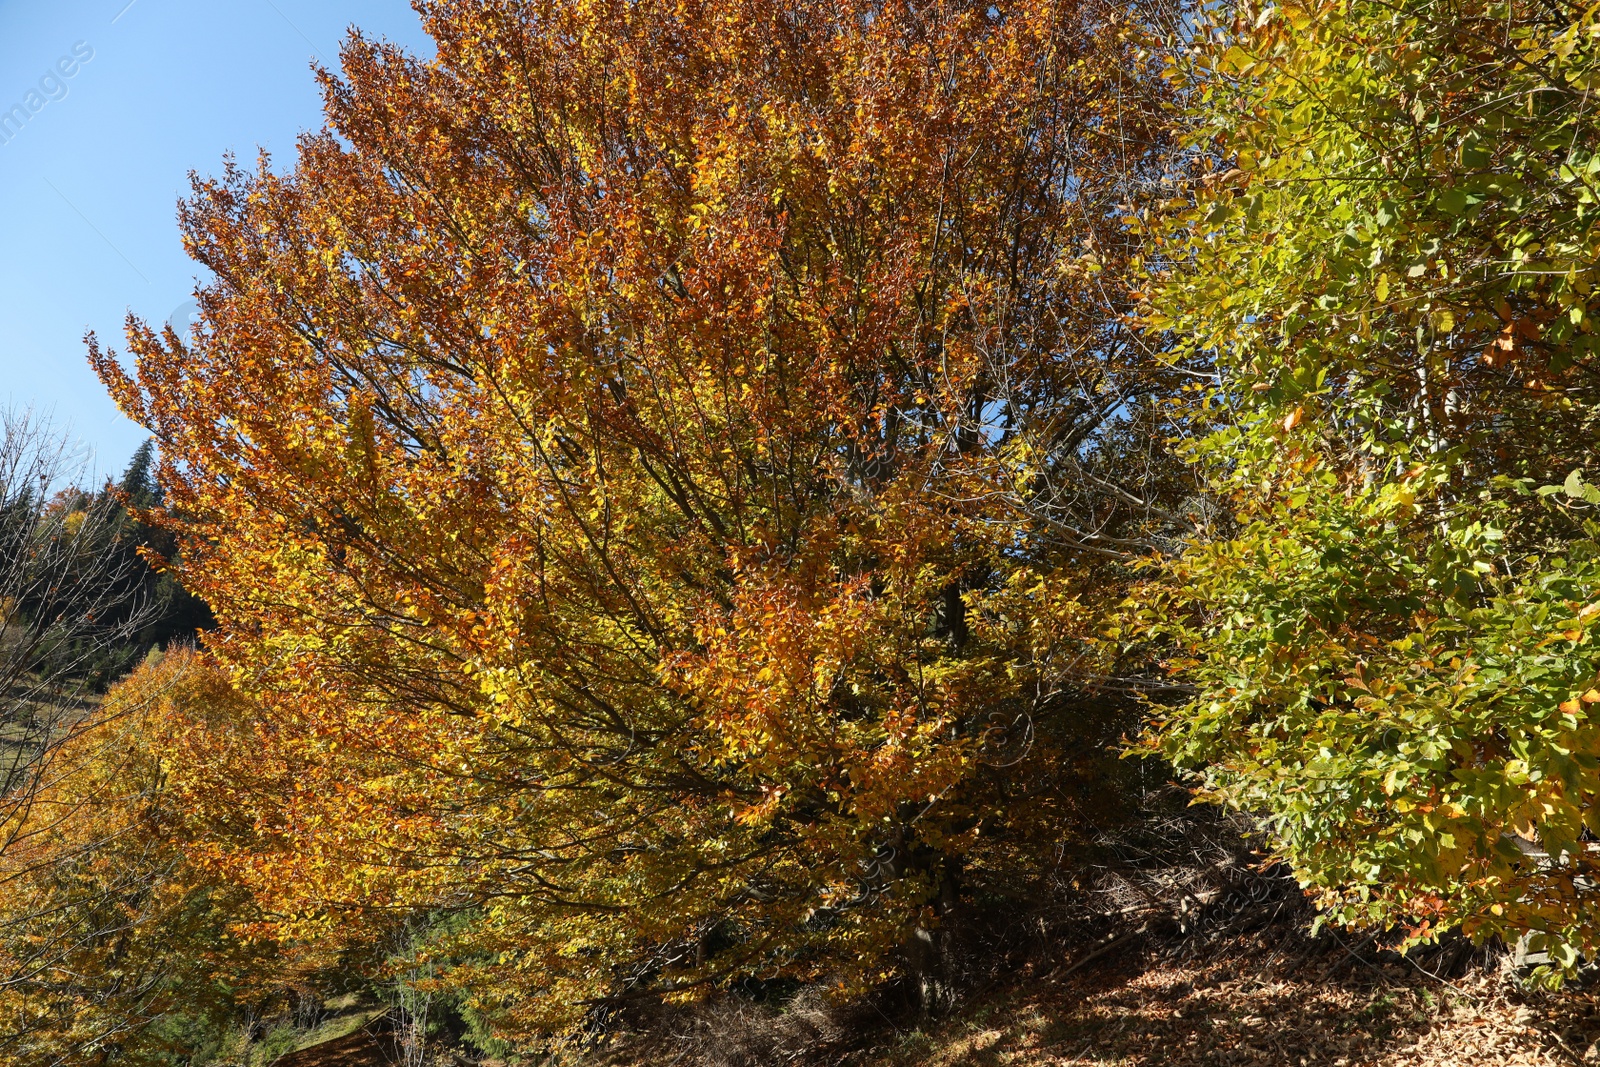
(90, 181)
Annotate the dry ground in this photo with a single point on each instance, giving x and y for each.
(1248, 1005)
(1271, 998)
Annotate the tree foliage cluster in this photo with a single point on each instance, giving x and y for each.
(79, 603)
(81, 600)
(116, 947)
(701, 494)
(1390, 248)
(599, 456)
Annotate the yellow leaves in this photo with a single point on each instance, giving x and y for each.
(582, 566)
(109, 878)
(761, 812)
(1236, 61)
(1293, 419)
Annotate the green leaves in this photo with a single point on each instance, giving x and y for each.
(1397, 707)
(1574, 488)
(1392, 646)
(1452, 201)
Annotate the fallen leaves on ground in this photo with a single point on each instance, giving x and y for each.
(1248, 1005)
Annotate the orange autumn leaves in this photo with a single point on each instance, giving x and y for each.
(116, 934)
(614, 454)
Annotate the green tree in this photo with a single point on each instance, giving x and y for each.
(1387, 249)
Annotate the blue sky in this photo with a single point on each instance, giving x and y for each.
(90, 182)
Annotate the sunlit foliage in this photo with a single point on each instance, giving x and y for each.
(660, 470)
(114, 946)
(1388, 247)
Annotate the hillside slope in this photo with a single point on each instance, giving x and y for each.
(1273, 997)
(1248, 1005)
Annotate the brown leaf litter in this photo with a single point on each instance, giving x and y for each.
(1244, 1006)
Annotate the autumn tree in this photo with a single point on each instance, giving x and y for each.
(659, 470)
(70, 604)
(114, 946)
(1388, 246)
